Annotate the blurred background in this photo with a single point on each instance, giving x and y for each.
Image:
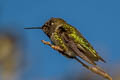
(24, 57)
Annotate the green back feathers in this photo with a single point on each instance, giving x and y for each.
(78, 38)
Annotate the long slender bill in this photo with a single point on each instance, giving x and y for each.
(33, 28)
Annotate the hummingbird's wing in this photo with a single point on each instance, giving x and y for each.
(86, 47)
(70, 43)
(75, 38)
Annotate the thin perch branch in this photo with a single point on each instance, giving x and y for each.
(94, 68)
(52, 46)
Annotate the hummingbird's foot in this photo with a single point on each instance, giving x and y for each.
(52, 46)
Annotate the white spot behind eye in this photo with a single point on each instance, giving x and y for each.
(52, 23)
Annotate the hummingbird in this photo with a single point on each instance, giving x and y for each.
(69, 39)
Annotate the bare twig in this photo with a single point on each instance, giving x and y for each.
(94, 68)
(52, 46)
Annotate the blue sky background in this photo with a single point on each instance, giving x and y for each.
(97, 20)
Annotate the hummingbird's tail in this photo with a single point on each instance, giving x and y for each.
(102, 59)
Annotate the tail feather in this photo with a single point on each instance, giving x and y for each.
(102, 59)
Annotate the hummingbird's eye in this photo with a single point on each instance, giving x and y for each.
(51, 22)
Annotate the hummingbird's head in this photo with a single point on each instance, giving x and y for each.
(51, 25)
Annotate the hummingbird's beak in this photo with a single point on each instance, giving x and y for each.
(33, 28)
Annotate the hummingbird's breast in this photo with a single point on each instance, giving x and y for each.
(56, 38)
